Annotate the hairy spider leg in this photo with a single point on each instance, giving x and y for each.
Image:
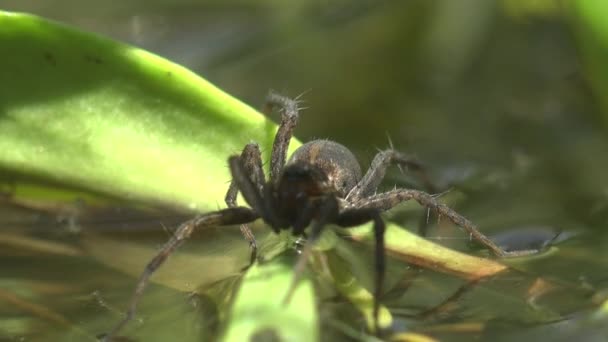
(258, 200)
(375, 174)
(251, 159)
(289, 119)
(389, 199)
(229, 216)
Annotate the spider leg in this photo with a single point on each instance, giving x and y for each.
(252, 163)
(229, 216)
(389, 199)
(377, 170)
(355, 217)
(289, 119)
(251, 193)
(375, 174)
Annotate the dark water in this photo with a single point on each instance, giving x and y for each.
(495, 102)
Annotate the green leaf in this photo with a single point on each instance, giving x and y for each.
(259, 311)
(414, 249)
(91, 113)
(349, 287)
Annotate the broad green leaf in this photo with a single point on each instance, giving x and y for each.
(91, 113)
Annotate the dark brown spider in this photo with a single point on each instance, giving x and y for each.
(321, 184)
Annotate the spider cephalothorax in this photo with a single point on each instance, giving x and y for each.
(316, 171)
(321, 184)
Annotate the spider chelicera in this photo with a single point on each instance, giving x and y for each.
(321, 184)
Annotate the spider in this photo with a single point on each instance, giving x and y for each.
(321, 184)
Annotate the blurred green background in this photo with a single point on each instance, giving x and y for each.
(501, 99)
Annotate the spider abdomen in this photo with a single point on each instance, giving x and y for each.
(335, 161)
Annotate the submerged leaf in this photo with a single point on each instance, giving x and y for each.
(414, 249)
(349, 287)
(182, 271)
